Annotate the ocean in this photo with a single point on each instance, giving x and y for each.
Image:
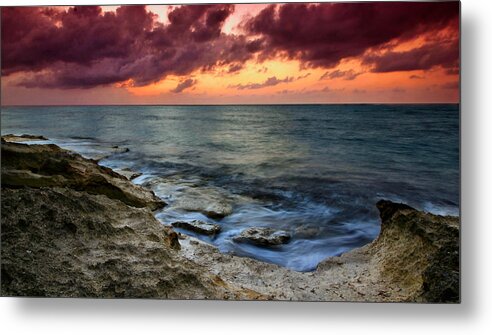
(315, 171)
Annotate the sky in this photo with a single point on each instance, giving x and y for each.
(372, 52)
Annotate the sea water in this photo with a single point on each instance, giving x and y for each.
(315, 171)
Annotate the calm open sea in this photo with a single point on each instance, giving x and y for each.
(315, 171)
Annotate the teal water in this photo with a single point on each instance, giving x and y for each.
(315, 171)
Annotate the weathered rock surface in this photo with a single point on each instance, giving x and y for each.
(414, 259)
(419, 252)
(64, 240)
(50, 166)
(74, 229)
(206, 201)
(128, 173)
(57, 242)
(416, 255)
(23, 138)
(198, 227)
(262, 236)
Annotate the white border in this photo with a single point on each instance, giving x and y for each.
(82, 316)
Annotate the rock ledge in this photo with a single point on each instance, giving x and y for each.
(71, 228)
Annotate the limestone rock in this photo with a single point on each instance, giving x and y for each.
(50, 166)
(71, 228)
(419, 251)
(198, 227)
(128, 173)
(207, 201)
(58, 242)
(23, 138)
(262, 236)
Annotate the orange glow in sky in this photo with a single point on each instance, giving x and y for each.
(404, 68)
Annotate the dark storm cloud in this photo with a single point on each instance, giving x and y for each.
(321, 35)
(203, 22)
(84, 47)
(444, 54)
(34, 37)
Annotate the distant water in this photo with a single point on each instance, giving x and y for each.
(315, 171)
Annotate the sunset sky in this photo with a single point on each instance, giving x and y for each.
(227, 54)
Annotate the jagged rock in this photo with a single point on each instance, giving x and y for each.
(63, 234)
(207, 201)
(50, 166)
(414, 259)
(70, 228)
(23, 138)
(262, 236)
(198, 227)
(419, 252)
(58, 242)
(128, 173)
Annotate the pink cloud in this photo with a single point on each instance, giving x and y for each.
(83, 47)
(321, 35)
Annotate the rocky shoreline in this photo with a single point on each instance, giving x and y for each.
(72, 228)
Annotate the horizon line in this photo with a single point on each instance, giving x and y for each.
(232, 104)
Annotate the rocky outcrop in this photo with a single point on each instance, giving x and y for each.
(207, 201)
(198, 227)
(49, 166)
(416, 255)
(65, 238)
(72, 228)
(262, 236)
(23, 138)
(414, 259)
(58, 242)
(128, 173)
(419, 252)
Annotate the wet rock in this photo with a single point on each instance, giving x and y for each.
(173, 239)
(58, 242)
(207, 201)
(23, 138)
(128, 173)
(217, 211)
(67, 233)
(198, 227)
(71, 228)
(414, 259)
(50, 166)
(262, 236)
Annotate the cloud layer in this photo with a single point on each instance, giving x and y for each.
(321, 35)
(272, 81)
(84, 47)
(185, 84)
(347, 75)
